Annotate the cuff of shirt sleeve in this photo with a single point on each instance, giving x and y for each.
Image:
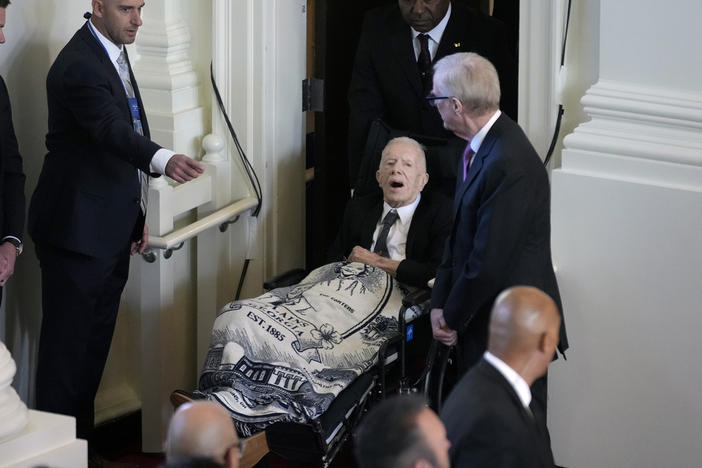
(160, 159)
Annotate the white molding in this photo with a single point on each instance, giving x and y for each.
(540, 27)
(638, 133)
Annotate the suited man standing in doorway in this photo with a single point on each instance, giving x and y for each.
(392, 70)
(11, 180)
(88, 210)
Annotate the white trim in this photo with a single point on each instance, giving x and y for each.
(540, 28)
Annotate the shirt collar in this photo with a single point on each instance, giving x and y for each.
(480, 136)
(518, 383)
(404, 212)
(113, 51)
(438, 31)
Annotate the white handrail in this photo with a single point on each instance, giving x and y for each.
(178, 236)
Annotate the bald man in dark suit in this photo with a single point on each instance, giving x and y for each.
(88, 210)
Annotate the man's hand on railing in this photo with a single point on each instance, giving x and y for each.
(140, 245)
(182, 169)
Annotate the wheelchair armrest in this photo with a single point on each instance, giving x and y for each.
(287, 278)
(417, 297)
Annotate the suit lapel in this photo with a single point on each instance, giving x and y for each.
(370, 222)
(454, 38)
(418, 219)
(477, 165)
(403, 50)
(107, 65)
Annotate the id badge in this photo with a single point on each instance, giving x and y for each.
(136, 116)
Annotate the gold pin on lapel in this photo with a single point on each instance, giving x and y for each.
(456, 45)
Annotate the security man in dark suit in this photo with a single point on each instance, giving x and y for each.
(488, 415)
(404, 230)
(11, 180)
(392, 70)
(88, 210)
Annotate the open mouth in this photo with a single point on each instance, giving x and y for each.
(396, 184)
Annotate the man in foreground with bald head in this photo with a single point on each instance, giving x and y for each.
(202, 431)
(487, 416)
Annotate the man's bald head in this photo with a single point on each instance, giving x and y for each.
(524, 330)
(202, 429)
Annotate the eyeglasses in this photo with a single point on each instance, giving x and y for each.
(432, 100)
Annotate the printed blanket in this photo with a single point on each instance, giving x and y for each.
(285, 355)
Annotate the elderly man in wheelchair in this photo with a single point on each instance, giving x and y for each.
(280, 361)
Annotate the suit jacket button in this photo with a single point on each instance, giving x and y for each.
(137, 200)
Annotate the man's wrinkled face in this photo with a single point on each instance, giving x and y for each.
(120, 19)
(402, 173)
(423, 15)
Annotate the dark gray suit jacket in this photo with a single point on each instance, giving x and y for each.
(430, 226)
(488, 426)
(88, 194)
(501, 236)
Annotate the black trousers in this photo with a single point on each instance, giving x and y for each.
(80, 300)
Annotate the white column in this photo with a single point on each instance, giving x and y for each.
(259, 64)
(627, 224)
(167, 80)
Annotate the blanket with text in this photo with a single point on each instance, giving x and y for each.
(285, 355)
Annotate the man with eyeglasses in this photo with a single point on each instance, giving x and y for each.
(502, 234)
(392, 69)
(202, 433)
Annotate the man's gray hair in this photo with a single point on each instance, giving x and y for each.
(472, 79)
(403, 139)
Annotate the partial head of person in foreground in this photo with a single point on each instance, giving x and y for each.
(402, 173)
(465, 86)
(523, 331)
(401, 432)
(202, 430)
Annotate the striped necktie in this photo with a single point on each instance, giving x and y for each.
(127, 82)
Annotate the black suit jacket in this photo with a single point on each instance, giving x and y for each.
(87, 197)
(386, 83)
(11, 175)
(488, 426)
(501, 235)
(428, 230)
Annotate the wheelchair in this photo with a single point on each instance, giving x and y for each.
(402, 365)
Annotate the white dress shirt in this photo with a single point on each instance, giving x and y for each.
(515, 380)
(161, 157)
(397, 236)
(434, 36)
(480, 136)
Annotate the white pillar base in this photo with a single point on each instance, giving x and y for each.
(47, 440)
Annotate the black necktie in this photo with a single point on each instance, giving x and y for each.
(381, 245)
(424, 62)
